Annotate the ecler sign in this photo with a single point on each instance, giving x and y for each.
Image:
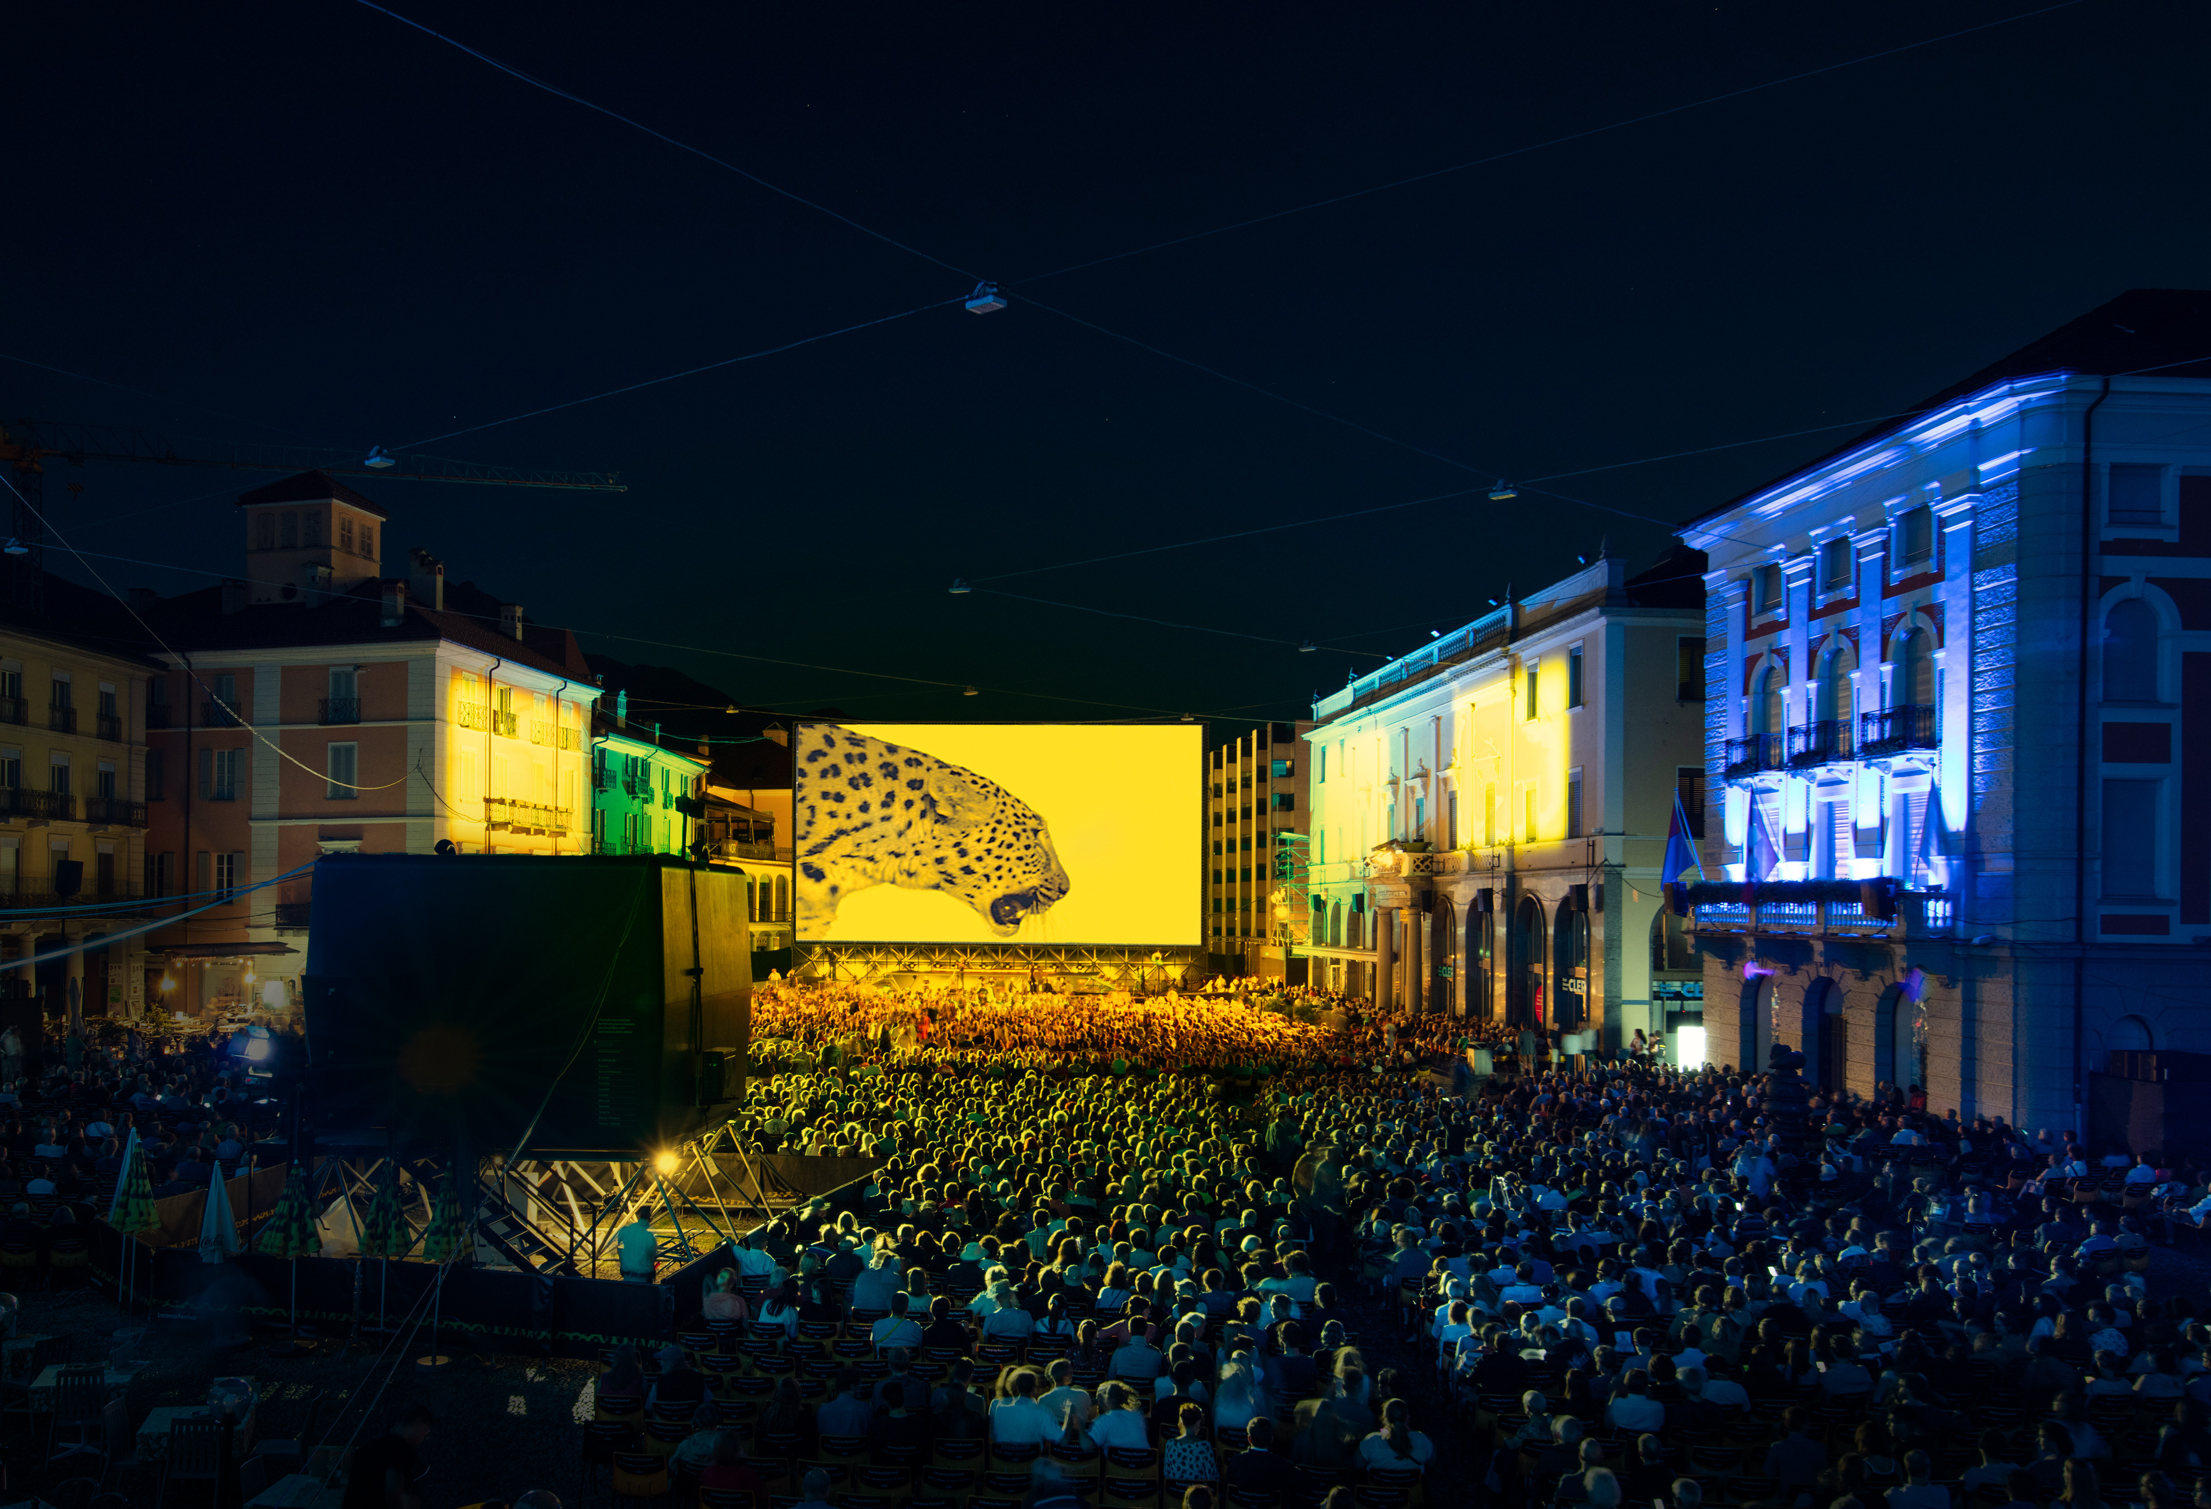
(1385, 894)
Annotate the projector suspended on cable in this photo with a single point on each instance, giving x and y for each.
(986, 299)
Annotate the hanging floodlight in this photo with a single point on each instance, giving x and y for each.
(971, 692)
(15, 546)
(1307, 648)
(1503, 492)
(986, 299)
(378, 460)
(959, 587)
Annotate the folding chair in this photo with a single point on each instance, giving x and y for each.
(80, 1395)
(194, 1454)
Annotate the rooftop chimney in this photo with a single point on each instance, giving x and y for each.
(510, 616)
(395, 604)
(426, 578)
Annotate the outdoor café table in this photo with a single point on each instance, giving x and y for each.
(298, 1490)
(153, 1436)
(16, 1351)
(42, 1387)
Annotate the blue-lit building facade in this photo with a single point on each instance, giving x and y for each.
(1968, 659)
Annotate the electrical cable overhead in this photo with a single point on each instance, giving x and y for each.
(88, 556)
(719, 162)
(1556, 141)
(1166, 624)
(652, 382)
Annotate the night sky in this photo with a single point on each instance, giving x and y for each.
(309, 223)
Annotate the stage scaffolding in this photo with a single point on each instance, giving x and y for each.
(559, 1215)
(1103, 967)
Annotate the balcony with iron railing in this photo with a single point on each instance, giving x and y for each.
(1751, 755)
(61, 720)
(543, 731)
(476, 715)
(506, 725)
(338, 710)
(571, 737)
(526, 817)
(1820, 743)
(730, 848)
(1897, 730)
(215, 713)
(115, 810)
(294, 916)
(14, 710)
(18, 891)
(18, 801)
(1775, 912)
(109, 727)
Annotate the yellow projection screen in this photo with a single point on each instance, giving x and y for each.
(998, 832)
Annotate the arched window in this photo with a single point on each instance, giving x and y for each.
(1834, 686)
(2130, 1034)
(782, 900)
(1912, 682)
(2130, 652)
(752, 900)
(1766, 714)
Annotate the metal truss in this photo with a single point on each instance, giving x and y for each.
(1113, 967)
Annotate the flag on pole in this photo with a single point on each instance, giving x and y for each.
(1762, 854)
(1681, 852)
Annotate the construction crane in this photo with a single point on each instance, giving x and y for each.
(27, 444)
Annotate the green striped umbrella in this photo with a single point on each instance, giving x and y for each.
(448, 1233)
(132, 1211)
(385, 1233)
(289, 1231)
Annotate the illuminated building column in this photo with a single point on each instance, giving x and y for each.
(1385, 958)
(1416, 983)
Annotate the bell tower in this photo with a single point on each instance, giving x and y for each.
(309, 538)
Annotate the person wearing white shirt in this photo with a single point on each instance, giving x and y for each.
(1118, 1422)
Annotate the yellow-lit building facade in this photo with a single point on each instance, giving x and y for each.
(358, 714)
(72, 820)
(1489, 813)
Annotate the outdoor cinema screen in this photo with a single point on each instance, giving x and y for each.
(998, 832)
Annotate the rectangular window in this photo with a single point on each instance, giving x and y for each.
(345, 772)
(2130, 839)
(1528, 711)
(11, 768)
(1420, 817)
(1836, 558)
(107, 700)
(59, 775)
(226, 691)
(368, 540)
(230, 870)
(345, 683)
(290, 531)
(345, 532)
(1283, 801)
(220, 770)
(1766, 584)
(1573, 676)
(2135, 495)
(104, 780)
(310, 529)
(1573, 803)
(1324, 764)
(1451, 820)
(1528, 802)
(161, 872)
(1689, 786)
(63, 694)
(1689, 668)
(1915, 537)
(1280, 770)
